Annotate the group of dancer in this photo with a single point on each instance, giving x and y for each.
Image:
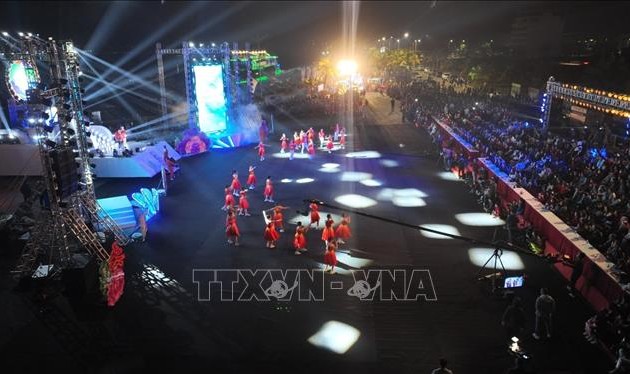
(305, 140)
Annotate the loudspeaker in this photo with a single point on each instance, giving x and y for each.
(81, 280)
(65, 168)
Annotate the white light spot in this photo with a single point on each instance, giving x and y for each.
(287, 155)
(355, 201)
(286, 180)
(354, 176)
(511, 260)
(444, 228)
(354, 262)
(335, 336)
(479, 219)
(408, 202)
(328, 170)
(330, 165)
(370, 183)
(389, 163)
(364, 154)
(304, 180)
(448, 176)
(307, 219)
(391, 193)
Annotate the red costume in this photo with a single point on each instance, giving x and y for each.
(251, 178)
(261, 150)
(268, 189)
(278, 218)
(229, 199)
(330, 257)
(311, 149)
(328, 233)
(283, 145)
(299, 241)
(231, 229)
(314, 213)
(329, 145)
(343, 230)
(271, 235)
(242, 201)
(236, 184)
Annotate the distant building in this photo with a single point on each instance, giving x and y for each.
(581, 44)
(536, 35)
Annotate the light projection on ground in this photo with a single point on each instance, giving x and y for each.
(329, 168)
(286, 180)
(304, 180)
(354, 176)
(370, 183)
(389, 163)
(335, 336)
(363, 154)
(511, 260)
(437, 227)
(479, 219)
(355, 201)
(287, 155)
(408, 202)
(210, 98)
(448, 176)
(307, 219)
(391, 193)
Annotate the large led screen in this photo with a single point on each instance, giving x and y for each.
(210, 98)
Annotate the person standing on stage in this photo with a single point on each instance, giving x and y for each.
(251, 178)
(291, 149)
(314, 214)
(283, 143)
(278, 218)
(329, 145)
(328, 234)
(303, 141)
(545, 306)
(271, 235)
(322, 138)
(169, 163)
(268, 192)
(261, 150)
(231, 228)
(243, 204)
(311, 149)
(299, 240)
(342, 138)
(229, 199)
(120, 136)
(343, 232)
(330, 258)
(236, 183)
(263, 131)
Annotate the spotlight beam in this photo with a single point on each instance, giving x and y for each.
(495, 244)
(124, 90)
(113, 16)
(134, 130)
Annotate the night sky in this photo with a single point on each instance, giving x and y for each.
(295, 31)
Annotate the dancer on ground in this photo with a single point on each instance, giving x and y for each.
(330, 257)
(329, 145)
(236, 183)
(328, 234)
(291, 149)
(278, 218)
(299, 240)
(298, 140)
(243, 204)
(251, 178)
(268, 190)
(303, 141)
(311, 149)
(342, 138)
(283, 143)
(310, 134)
(343, 231)
(231, 228)
(261, 150)
(229, 199)
(322, 138)
(271, 235)
(314, 214)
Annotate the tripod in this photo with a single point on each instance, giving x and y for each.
(496, 256)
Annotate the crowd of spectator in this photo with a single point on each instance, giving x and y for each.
(573, 174)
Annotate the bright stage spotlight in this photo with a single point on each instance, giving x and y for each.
(354, 262)
(354, 176)
(4, 33)
(479, 219)
(511, 260)
(355, 201)
(335, 336)
(191, 44)
(444, 228)
(408, 201)
(20, 33)
(347, 68)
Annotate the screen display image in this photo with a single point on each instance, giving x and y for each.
(18, 79)
(513, 282)
(210, 96)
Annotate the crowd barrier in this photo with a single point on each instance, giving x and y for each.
(599, 285)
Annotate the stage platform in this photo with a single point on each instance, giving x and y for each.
(145, 164)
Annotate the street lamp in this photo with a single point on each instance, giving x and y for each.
(406, 35)
(398, 41)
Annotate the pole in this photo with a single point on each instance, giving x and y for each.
(160, 63)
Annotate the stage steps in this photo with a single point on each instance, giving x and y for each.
(119, 208)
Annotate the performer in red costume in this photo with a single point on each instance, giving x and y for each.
(283, 143)
(229, 199)
(261, 151)
(291, 149)
(329, 145)
(243, 204)
(251, 178)
(299, 240)
(271, 235)
(231, 228)
(343, 231)
(322, 138)
(342, 138)
(170, 164)
(311, 149)
(236, 183)
(328, 234)
(330, 257)
(268, 190)
(278, 218)
(314, 214)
